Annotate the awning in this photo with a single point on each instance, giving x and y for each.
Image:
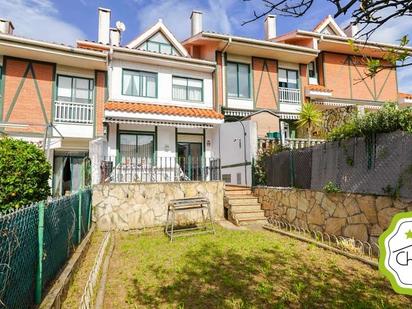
(158, 123)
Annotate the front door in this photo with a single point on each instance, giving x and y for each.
(71, 172)
(190, 160)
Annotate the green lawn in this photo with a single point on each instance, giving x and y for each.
(239, 269)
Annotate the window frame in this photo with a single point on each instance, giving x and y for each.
(72, 89)
(187, 89)
(159, 44)
(140, 86)
(237, 81)
(137, 134)
(313, 79)
(289, 70)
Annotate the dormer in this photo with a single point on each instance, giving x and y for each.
(329, 26)
(159, 39)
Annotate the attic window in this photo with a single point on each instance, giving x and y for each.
(328, 30)
(159, 44)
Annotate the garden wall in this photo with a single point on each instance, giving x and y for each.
(359, 216)
(137, 206)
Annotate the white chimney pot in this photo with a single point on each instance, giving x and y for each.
(197, 22)
(6, 26)
(270, 27)
(115, 36)
(104, 26)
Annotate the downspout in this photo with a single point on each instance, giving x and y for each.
(223, 51)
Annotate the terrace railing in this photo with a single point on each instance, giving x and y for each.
(289, 95)
(72, 112)
(160, 169)
(291, 143)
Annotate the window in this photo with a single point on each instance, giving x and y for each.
(136, 145)
(238, 80)
(187, 89)
(159, 44)
(139, 84)
(312, 70)
(74, 89)
(313, 76)
(288, 79)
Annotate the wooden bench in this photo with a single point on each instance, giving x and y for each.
(201, 204)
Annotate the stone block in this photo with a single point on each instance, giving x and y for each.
(351, 205)
(340, 211)
(334, 226)
(356, 219)
(291, 214)
(383, 202)
(316, 216)
(328, 205)
(385, 217)
(368, 208)
(356, 231)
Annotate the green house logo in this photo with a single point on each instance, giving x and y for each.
(395, 260)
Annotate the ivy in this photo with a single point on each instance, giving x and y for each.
(24, 174)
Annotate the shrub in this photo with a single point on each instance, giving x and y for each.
(331, 187)
(259, 172)
(24, 174)
(388, 119)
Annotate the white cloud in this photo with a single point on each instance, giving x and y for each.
(405, 79)
(39, 19)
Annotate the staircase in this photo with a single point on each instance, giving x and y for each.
(242, 207)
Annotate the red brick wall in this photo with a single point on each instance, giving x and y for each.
(265, 83)
(345, 75)
(100, 100)
(219, 75)
(27, 109)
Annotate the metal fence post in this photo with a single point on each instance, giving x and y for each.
(89, 207)
(291, 169)
(39, 274)
(79, 218)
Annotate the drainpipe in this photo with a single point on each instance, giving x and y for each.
(223, 51)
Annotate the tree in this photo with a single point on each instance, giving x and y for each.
(369, 15)
(309, 117)
(24, 174)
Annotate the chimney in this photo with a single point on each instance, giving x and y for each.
(104, 26)
(115, 36)
(6, 26)
(270, 27)
(351, 30)
(197, 22)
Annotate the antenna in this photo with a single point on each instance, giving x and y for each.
(120, 26)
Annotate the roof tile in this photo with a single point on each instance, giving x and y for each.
(133, 107)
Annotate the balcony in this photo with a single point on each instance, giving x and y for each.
(73, 112)
(73, 119)
(289, 95)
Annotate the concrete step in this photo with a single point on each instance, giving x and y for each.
(238, 192)
(243, 222)
(246, 202)
(245, 208)
(240, 196)
(259, 214)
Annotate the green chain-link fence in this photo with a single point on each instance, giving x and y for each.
(35, 243)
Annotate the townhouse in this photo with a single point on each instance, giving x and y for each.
(52, 95)
(280, 73)
(159, 115)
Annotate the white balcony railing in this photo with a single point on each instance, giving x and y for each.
(289, 95)
(72, 112)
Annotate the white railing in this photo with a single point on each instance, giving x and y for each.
(298, 143)
(289, 95)
(72, 112)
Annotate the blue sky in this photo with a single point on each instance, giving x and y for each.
(68, 20)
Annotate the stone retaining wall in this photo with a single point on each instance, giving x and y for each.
(359, 216)
(137, 206)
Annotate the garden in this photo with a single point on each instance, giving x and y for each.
(238, 269)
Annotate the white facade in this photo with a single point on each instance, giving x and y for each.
(164, 84)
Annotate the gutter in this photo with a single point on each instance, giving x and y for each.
(15, 39)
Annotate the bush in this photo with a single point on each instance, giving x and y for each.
(331, 187)
(388, 119)
(24, 174)
(259, 171)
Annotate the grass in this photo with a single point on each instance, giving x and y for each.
(239, 269)
(78, 283)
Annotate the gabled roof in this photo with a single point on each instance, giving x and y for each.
(329, 23)
(158, 27)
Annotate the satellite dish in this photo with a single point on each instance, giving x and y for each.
(120, 26)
